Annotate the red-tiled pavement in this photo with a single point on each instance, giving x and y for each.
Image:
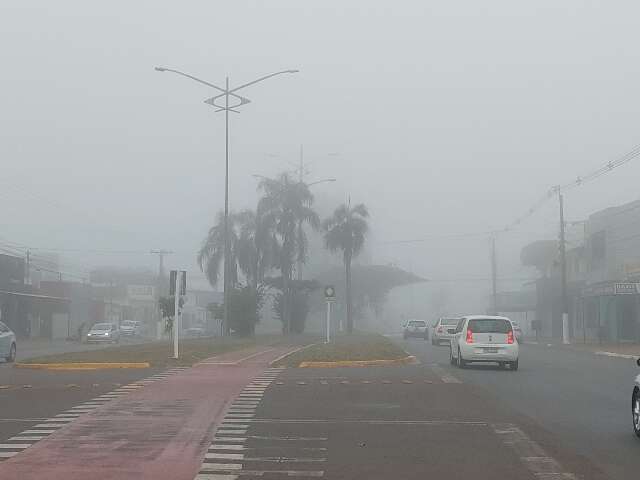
(158, 432)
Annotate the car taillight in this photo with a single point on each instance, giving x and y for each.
(439, 329)
(510, 336)
(469, 336)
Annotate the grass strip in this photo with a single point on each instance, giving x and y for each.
(358, 347)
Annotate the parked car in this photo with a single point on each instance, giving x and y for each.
(104, 332)
(416, 328)
(440, 329)
(635, 403)
(131, 328)
(195, 332)
(8, 346)
(481, 338)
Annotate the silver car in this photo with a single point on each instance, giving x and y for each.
(440, 329)
(635, 403)
(104, 332)
(7, 343)
(131, 328)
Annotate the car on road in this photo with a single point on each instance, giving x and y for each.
(635, 403)
(8, 346)
(483, 338)
(131, 328)
(415, 328)
(439, 332)
(104, 332)
(518, 332)
(195, 332)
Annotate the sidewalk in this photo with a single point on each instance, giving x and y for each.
(160, 431)
(622, 350)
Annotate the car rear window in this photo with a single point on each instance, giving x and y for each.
(489, 325)
(101, 326)
(417, 323)
(128, 323)
(450, 321)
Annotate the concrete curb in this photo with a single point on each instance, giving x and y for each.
(282, 357)
(80, 366)
(360, 363)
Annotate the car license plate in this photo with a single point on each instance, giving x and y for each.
(490, 350)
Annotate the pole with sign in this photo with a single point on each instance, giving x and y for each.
(330, 297)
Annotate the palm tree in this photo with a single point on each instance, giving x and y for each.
(284, 207)
(345, 230)
(249, 249)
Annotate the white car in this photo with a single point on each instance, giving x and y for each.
(131, 328)
(104, 332)
(483, 338)
(635, 404)
(416, 328)
(440, 330)
(7, 343)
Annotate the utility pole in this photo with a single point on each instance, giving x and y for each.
(161, 254)
(159, 288)
(301, 179)
(27, 273)
(494, 274)
(563, 267)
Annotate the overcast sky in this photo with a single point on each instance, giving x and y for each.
(444, 117)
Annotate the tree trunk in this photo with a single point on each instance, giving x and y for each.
(347, 264)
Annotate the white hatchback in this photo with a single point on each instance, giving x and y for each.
(487, 339)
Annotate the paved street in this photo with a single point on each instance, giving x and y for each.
(155, 426)
(564, 414)
(582, 400)
(38, 347)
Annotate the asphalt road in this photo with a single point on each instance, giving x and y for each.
(39, 347)
(28, 397)
(409, 422)
(582, 400)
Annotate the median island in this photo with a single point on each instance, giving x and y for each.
(153, 354)
(357, 350)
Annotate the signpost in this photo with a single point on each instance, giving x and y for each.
(330, 297)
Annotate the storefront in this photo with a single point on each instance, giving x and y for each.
(610, 312)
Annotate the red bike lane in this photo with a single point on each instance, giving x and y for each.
(158, 432)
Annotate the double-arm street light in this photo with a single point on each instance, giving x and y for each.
(226, 107)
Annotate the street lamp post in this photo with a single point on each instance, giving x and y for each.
(226, 108)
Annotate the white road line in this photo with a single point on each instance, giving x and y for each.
(220, 467)
(240, 431)
(243, 407)
(50, 425)
(59, 419)
(8, 454)
(15, 446)
(230, 439)
(224, 456)
(530, 453)
(445, 376)
(288, 439)
(68, 415)
(26, 438)
(37, 432)
(283, 460)
(215, 476)
(227, 447)
(233, 424)
(240, 415)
